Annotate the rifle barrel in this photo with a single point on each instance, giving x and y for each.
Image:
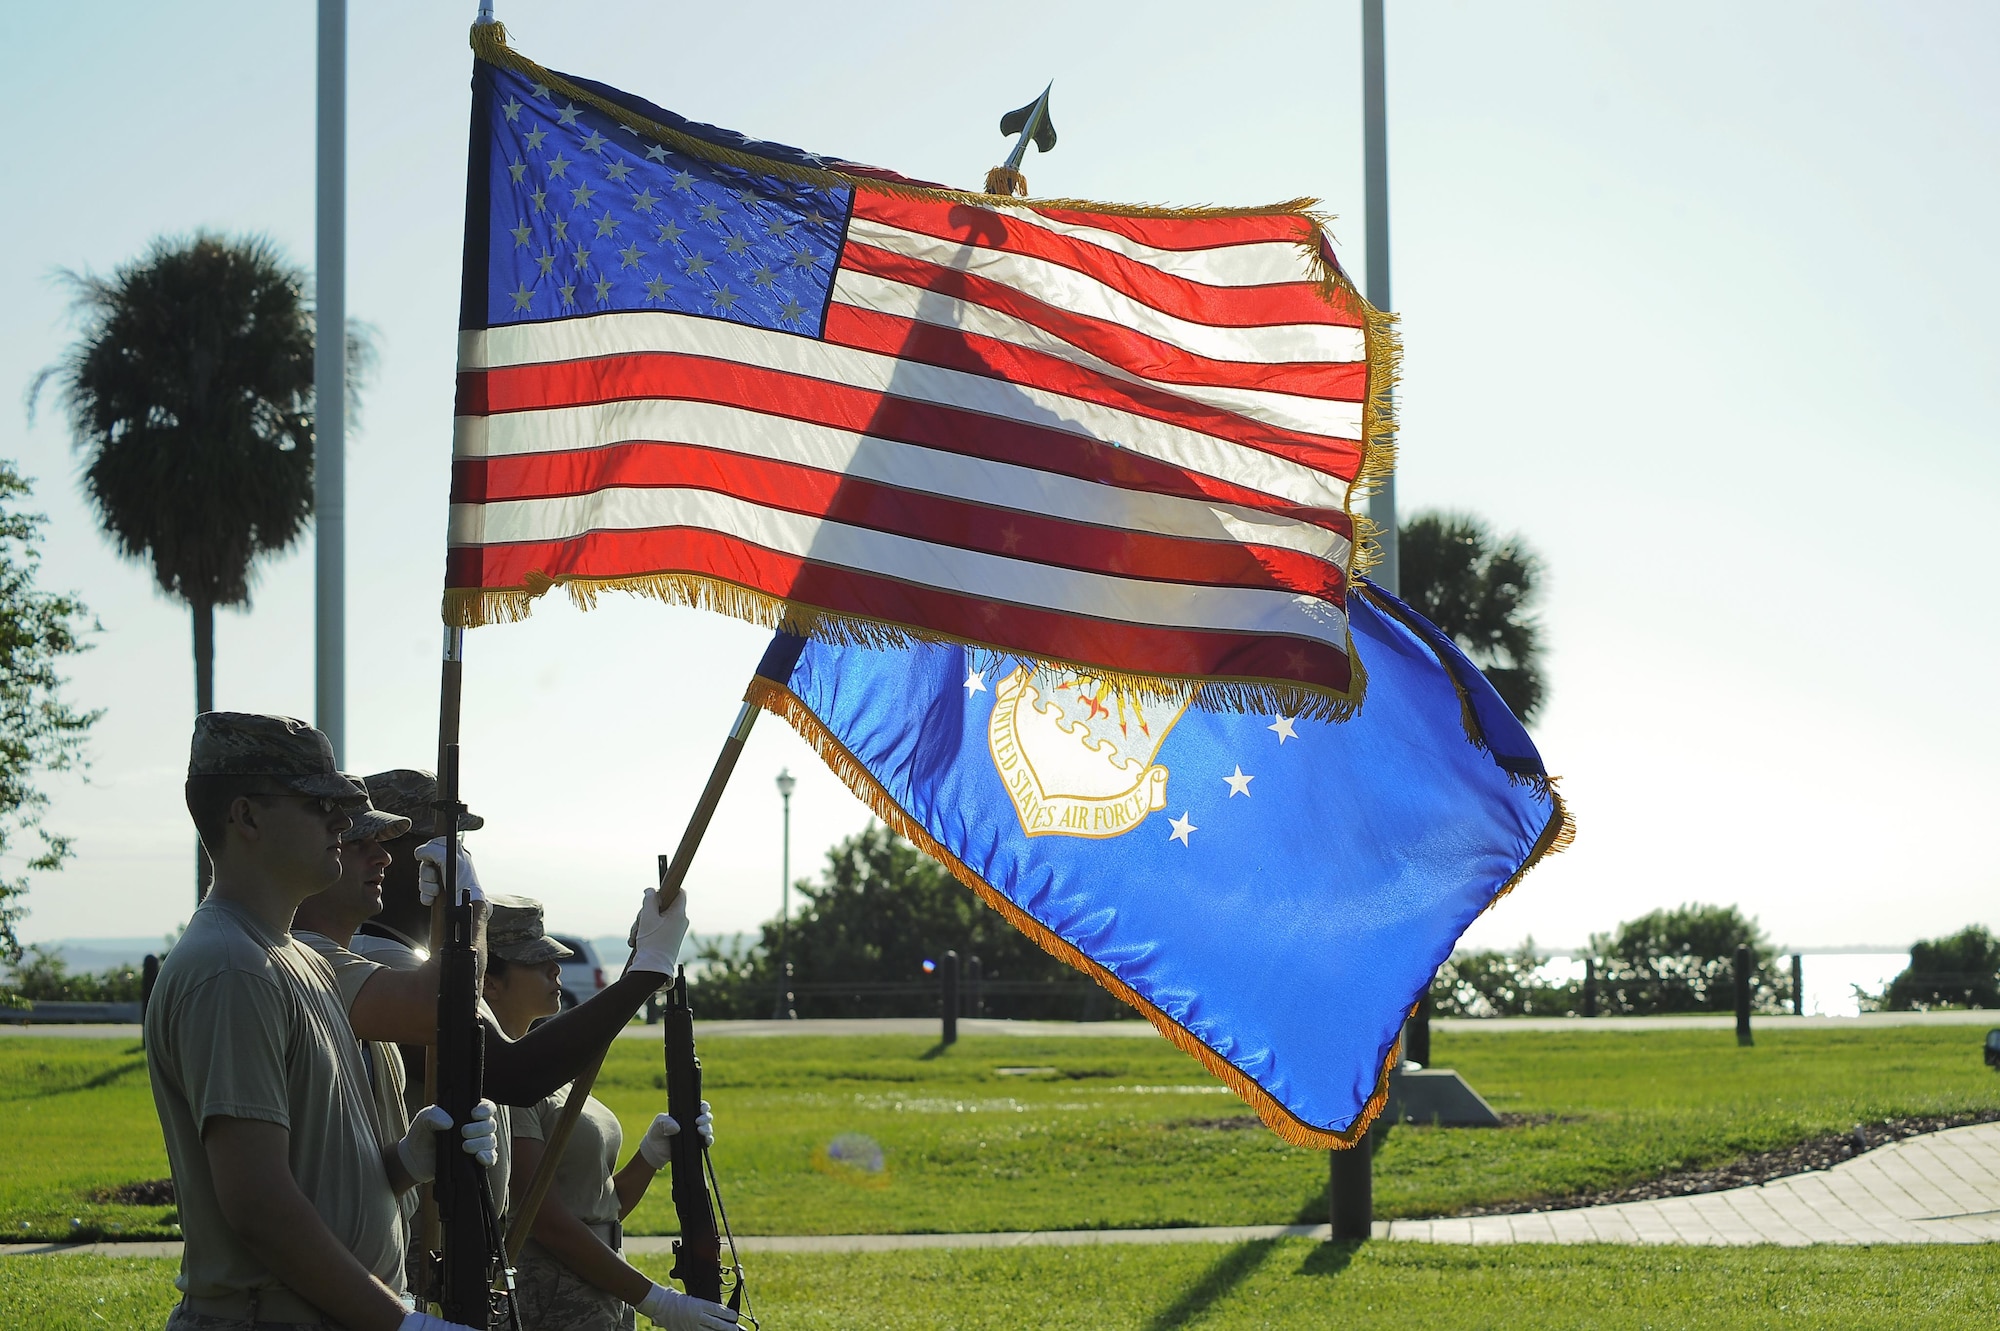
(698, 1254)
(466, 1274)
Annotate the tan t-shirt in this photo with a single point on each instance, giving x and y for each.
(371, 951)
(583, 1175)
(246, 1022)
(382, 1059)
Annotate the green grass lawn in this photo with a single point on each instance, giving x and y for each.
(1119, 1132)
(1281, 1285)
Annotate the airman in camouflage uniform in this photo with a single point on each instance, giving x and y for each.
(326, 923)
(287, 1194)
(572, 1274)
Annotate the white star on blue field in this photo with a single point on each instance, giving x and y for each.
(590, 217)
(1183, 828)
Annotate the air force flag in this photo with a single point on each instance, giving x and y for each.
(1273, 893)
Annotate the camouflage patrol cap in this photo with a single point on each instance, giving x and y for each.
(370, 823)
(514, 932)
(409, 792)
(290, 754)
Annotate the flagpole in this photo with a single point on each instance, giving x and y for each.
(330, 385)
(1375, 170)
(672, 875)
(1350, 1184)
(442, 1228)
(451, 687)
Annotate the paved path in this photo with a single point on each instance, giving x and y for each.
(1943, 1187)
(1716, 1021)
(927, 1026)
(711, 1029)
(1940, 1188)
(1143, 1030)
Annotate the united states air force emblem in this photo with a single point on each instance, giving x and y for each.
(1078, 761)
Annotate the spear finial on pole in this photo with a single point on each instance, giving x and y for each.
(1032, 123)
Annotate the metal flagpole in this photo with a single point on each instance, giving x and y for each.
(1351, 1173)
(330, 385)
(1375, 170)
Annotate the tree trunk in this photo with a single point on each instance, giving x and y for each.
(204, 701)
(204, 656)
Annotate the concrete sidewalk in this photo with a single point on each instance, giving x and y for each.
(1943, 1187)
(1940, 1188)
(1132, 1028)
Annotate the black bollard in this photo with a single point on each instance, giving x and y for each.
(948, 998)
(1798, 985)
(1417, 1033)
(1589, 987)
(1743, 994)
(149, 975)
(1350, 1190)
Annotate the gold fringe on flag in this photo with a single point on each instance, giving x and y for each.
(472, 607)
(1378, 425)
(779, 700)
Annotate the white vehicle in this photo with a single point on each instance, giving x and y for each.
(582, 974)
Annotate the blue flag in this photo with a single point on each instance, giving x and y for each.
(1273, 893)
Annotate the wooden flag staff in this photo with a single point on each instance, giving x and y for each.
(671, 879)
(450, 691)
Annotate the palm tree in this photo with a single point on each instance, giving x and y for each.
(190, 397)
(1480, 589)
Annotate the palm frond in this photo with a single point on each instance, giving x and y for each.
(1481, 590)
(189, 393)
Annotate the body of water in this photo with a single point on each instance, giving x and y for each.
(1830, 977)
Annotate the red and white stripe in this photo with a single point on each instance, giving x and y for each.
(1118, 442)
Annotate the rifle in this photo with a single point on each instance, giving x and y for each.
(698, 1251)
(472, 1261)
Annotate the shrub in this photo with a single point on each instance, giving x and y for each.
(1501, 984)
(861, 935)
(42, 976)
(1962, 970)
(1684, 960)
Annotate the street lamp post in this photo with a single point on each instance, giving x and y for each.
(784, 1011)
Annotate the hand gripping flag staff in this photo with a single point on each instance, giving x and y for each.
(1103, 457)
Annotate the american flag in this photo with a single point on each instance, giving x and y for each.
(733, 374)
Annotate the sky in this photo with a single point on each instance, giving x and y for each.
(1695, 296)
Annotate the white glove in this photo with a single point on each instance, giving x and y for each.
(653, 1146)
(418, 1149)
(680, 1312)
(430, 872)
(426, 1322)
(655, 938)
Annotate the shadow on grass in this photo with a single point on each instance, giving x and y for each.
(98, 1081)
(937, 1050)
(1328, 1259)
(108, 1076)
(1317, 1208)
(1229, 1270)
